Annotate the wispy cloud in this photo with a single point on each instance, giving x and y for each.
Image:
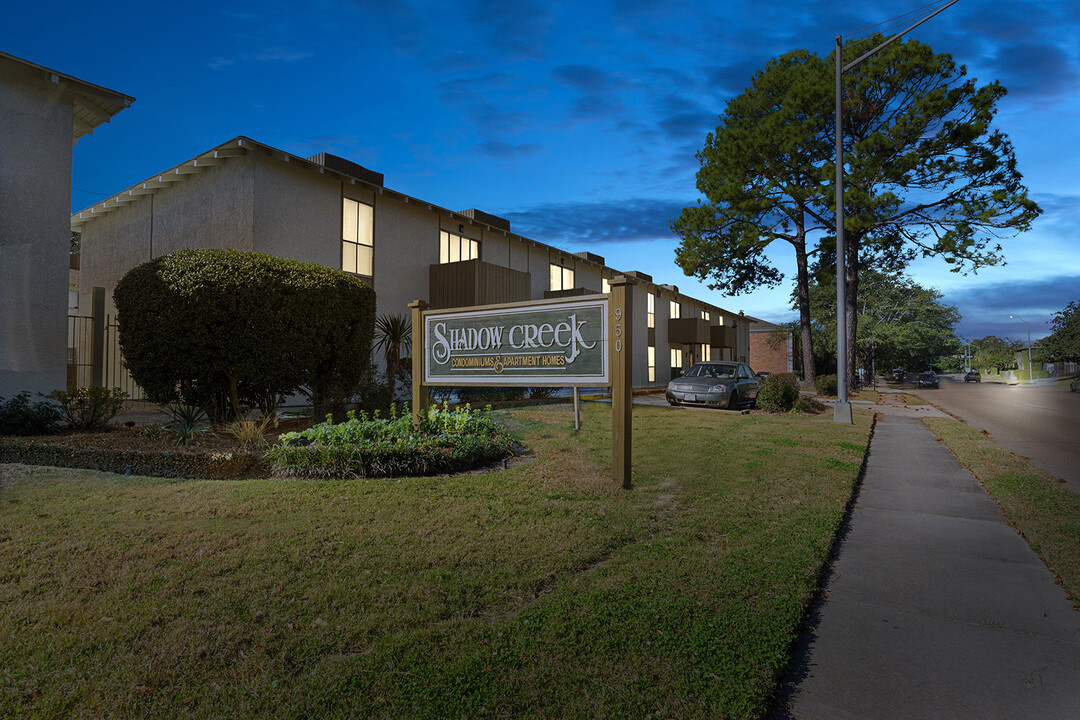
(263, 55)
(581, 223)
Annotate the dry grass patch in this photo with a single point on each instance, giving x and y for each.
(1045, 512)
(539, 591)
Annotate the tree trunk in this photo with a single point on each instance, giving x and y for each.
(803, 288)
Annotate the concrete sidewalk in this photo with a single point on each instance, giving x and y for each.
(935, 607)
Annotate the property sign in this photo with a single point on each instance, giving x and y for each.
(559, 342)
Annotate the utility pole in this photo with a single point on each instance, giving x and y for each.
(842, 409)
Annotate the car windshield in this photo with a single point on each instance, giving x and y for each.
(712, 370)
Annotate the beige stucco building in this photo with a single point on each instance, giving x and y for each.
(245, 195)
(42, 114)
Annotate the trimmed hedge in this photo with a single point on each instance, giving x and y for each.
(170, 464)
(220, 328)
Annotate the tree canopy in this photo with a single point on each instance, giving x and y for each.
(926, 173)
(1063, 343)
(760, 173)
(994, 352)
(900, 323)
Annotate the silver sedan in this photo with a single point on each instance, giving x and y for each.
(715, 384)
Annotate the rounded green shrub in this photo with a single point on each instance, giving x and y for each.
(778, 393)
(221, 328)
(826, 385)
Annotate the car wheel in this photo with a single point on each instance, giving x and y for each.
(733, 403)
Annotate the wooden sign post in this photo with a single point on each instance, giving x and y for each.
(621, 349)
(420, 397)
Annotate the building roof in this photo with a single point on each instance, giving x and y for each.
(348, 172)
(92, 104)
(759, 325)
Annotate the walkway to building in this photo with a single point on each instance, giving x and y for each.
(935, 607)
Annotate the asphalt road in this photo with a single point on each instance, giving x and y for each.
(1040, 423)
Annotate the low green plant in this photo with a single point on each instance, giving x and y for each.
(19, 416)
(778, 393)
(90, 408)
(188, 422)
(826, 385)
(155, 431)
(446, 441)
(249, 434)
(807, 405)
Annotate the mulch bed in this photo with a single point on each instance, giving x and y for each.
(131, 450)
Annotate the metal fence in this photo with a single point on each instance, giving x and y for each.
(94, 356)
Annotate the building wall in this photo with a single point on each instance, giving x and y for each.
(211, 210)
(296, 212)
(35, 202)
(768, 356)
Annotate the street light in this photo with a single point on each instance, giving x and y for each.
(1017, 317)
(842, 409)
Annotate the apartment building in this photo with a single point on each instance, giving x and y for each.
(244, 195)
(43, 113)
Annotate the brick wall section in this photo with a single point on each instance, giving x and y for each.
(773, 359)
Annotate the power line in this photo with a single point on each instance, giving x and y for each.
(91, 192)
(896, 20)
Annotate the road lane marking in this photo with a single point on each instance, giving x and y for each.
(1037, 406)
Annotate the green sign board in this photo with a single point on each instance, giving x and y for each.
(562, 342)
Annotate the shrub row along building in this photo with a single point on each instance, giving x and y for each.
(244, 195)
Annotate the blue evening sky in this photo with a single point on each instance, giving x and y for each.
(578, 121)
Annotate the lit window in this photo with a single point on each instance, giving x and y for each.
(676, 358)
(706, 353)
(675, 310)
(652, 364)
(357, 237)
(605, 286)
(455, 248)
(561, 278)
(705, 315)
(651, 313)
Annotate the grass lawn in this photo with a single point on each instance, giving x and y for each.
(540, 591)
(1045, 512)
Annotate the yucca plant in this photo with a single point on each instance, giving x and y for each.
(249, 434)
(188, 422)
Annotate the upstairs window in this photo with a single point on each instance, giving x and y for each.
(455, 248)
(605, 286)
(675, 310)
(357, 237)
(650, 314)
(705, 315)
(561, 278)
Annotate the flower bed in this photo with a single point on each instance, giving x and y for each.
(446, 441)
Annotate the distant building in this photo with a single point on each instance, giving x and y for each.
(245, 195)
(771, 347)
(42, 114)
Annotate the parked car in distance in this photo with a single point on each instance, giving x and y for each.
(1074, 386)
(926, 379)
(764, 374)
(715, 384)
(899, 375)
(972, 376)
